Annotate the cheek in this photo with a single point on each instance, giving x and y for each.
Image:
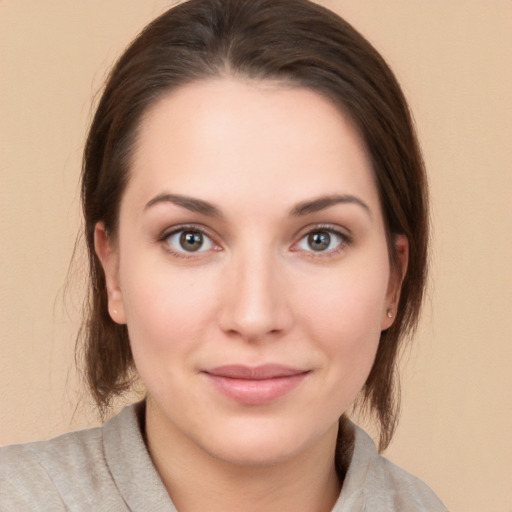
(343, 314)
(166, 310)
(347, 329)
(348, 302)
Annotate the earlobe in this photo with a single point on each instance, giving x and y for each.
(108, 255)
(396, 277)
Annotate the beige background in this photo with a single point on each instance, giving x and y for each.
(453, 58)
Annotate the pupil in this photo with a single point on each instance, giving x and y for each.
(191, 241)
(319, 241)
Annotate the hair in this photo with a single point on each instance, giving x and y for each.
(293, 41)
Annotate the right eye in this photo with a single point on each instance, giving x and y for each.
(188, 240)
(323, 241)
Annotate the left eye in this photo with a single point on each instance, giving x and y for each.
(321, 240)
(189, 240)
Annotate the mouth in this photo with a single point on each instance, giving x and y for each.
(255, 385)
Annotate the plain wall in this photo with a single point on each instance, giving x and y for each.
(453, 58)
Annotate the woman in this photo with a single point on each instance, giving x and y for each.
(256, 218)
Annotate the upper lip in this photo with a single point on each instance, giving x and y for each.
(266, 371)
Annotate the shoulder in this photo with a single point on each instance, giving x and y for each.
(374, 483)
(41, 472)
(64, 473)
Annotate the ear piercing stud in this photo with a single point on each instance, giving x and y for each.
(389, 313)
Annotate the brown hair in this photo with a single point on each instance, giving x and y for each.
(295, 41)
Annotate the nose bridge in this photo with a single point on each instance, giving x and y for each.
(255, 302)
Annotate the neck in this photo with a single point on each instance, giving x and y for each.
(196, 480)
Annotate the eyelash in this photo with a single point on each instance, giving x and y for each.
(164, 239)
(345, 240)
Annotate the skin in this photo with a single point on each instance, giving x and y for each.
(255, 292)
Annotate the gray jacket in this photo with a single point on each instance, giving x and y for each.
(108, 468)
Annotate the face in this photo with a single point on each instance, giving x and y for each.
(251, 268)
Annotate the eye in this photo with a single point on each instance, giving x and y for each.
(189, 240)
(322, 240)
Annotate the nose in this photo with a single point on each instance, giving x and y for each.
(254, 303)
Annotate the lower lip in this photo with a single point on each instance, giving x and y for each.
(256, 391)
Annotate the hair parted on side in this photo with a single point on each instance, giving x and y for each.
(293, 41)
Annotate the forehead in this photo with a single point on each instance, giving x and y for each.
(260, 137)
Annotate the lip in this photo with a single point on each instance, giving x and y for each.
(255, 385)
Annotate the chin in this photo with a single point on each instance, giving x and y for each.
(267, 445)
(262, 453)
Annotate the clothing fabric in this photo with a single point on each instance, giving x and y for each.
(108, 468)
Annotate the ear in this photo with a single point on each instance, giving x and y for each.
(396, 277)
(108, 254)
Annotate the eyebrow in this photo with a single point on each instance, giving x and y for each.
(190, 203)
(299, 210)
(323, 202)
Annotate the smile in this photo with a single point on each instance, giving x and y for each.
(258, 385)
